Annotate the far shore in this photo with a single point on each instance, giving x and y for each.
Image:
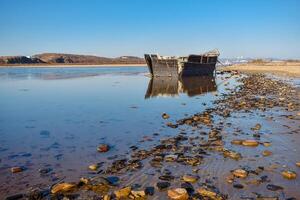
(69, 65)
(278, 68)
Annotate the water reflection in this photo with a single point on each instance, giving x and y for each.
(173, 86)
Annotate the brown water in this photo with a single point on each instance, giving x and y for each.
(55, 118)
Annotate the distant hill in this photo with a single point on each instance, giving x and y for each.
(58, 58)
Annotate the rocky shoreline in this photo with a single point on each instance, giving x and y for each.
(176, 163)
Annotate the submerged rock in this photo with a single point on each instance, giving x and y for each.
(123, 193)
(16, 169)
(163, 185)
(274, 187)
(266, 153)
(190, 178)
(250, 143)
(210, 194)
(240, 173)
(178, 194)
(63, 187)
(289, 174)
(103, 148)
(165, 116)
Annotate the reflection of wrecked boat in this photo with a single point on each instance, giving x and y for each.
(172, 86)
(192, 65)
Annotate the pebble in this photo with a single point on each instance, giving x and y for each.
(62, 187)
(267, 144)
(178, 194)
(250, 143)
(137, 194)
(266, 153)
(103, 148)
(274, 187)
(289, 174)
(237, 142)
(123, 193)
(210, 194)
(94, 167)
(190, 178)
(149, 191)
(165, 116)
(16, 169)
(238, 186)
(240, 173)
(298, 164)
(163, 185)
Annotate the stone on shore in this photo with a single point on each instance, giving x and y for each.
(16, 169)
(103, 148)
(289, 174)
(63, 187)
(123, 193)
(250, 143)
(240, 173)
(178, 194)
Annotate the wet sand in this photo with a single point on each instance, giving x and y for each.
(260, 109)
(279, 68)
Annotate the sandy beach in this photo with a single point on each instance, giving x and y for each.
(280, 68)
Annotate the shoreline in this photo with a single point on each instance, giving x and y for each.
(70, 65)
(283, 69)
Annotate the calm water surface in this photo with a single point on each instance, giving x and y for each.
(55, 117)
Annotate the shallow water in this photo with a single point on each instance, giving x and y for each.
(56, 117)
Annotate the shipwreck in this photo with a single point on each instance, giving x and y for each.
(192, 65)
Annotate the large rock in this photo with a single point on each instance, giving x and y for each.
(178, 194)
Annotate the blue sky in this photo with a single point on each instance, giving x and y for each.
(251, 28)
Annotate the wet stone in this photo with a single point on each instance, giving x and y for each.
(250, 143)
(103, 148)
(16, 169)
(178, 194)
(63, 187)
(274, 187)
(188, 186)
(45, 171)
(190, 178)
(123, 193)
(238, 186)
(165, 116)
(15, 197)
(163, 185)
(167, 177)
(240, 173)
(289, 174)
(149, 191)
(266, 153)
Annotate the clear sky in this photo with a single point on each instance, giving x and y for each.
(251, 28)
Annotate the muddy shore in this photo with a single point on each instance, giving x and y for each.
(244, 147)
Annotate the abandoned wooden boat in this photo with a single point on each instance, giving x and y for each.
(192, 65)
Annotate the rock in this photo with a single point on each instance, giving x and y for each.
(63, 187)
(163, 185)
(267, 144)
(166, 177)
(210, 194)
(231, 154)
(238, 186)
(256, 127)
(266, 153)
(45, 171)
(94, 167)
(250, 143)
(190, 178)
(188, 186)
(178, 194)
(274, 187)
(137, 194)
(240, 173)
(16, 169)
(289, 174)
(106, 197)
(123, 193)
(237, 142)
(165, 116)
(171, 158)
(149, 191)
(103, 148)
(298, 164)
